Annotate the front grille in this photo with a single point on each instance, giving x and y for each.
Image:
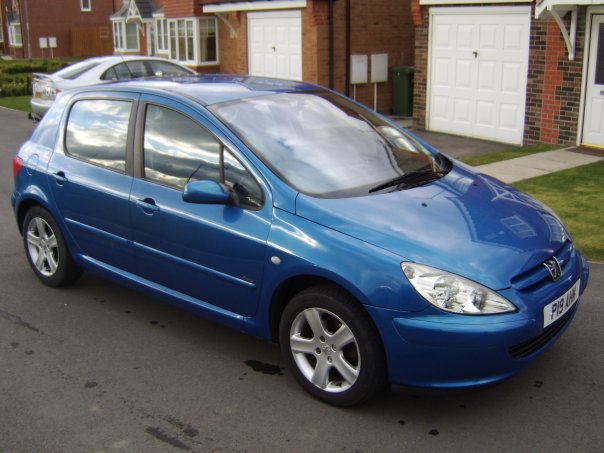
(529, 347)
(539, 275)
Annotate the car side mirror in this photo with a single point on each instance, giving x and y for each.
(208, 192)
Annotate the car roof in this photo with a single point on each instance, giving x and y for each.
(116, 58)
(101, 64)
(213, 89)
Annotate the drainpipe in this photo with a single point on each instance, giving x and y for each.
(347, 48)
(27, 28)
(331, 45)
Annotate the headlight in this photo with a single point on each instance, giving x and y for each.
(453, 293)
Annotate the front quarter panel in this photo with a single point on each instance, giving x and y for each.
(299, 247)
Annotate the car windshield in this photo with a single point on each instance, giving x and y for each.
(327, 146)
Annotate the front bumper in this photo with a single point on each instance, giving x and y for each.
(437, 349)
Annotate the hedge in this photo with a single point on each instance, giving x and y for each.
(16, 75)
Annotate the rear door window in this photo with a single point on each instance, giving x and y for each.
(97, 132)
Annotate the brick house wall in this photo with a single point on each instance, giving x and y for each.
(376, 27)
(55, 18)
(233, 49)
(183, 8)
(553, 86)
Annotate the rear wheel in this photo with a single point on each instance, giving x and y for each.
(332, 346)
(46, 249)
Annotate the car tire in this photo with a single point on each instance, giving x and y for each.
(332, 347)
(46, 250)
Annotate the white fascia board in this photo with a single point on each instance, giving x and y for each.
(253, 6)
(469, 2)
(546, 5)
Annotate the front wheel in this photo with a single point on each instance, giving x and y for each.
(332, 346)
(46, 249)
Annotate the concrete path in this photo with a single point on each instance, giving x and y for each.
(539, 164)
(510, 170)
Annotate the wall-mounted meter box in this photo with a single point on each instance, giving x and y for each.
(379, 67)
(358, 69)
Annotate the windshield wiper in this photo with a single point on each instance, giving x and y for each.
(410, 179)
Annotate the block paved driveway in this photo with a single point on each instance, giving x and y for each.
(97, 367)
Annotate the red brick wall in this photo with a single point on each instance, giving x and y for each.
(553, 85)
(56, 17)
(420, 80)
(376, 27)
(233, 49)
(182, 8)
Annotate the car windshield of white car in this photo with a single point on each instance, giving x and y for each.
(327, 146)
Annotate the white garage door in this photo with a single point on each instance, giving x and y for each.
(478, 71)
(275, 44)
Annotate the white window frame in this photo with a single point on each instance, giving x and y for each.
(199, 22)
(119, 37)
(172, 35)
(173, 25)
(162, 38)
(88, 8)
(15, 39)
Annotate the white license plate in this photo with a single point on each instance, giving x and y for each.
(556, 309)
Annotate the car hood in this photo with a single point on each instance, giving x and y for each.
(466, 223)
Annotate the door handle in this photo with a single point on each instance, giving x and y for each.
(60, 178)
(147, 205)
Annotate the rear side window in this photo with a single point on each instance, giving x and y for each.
(178, 150)
(97, 132)
(126, 71)
(163, 68)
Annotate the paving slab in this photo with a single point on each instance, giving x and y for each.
(539, 164)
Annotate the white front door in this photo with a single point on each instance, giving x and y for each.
(478, 71)
(593, 122)
(275, 44)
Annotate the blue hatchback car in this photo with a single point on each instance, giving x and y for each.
(292, 213)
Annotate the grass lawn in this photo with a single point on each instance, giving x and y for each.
(577, 196)
(505, 155)
(16, 102)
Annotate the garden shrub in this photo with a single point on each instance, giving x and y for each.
(16, 75)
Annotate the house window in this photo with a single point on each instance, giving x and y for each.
(193, 41)
(131, 36)
(125, 36)
(14, 35)
(172, 40)
(161, 27)
(182, 40)
(86, 5)
(207, 40)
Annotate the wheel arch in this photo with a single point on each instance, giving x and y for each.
(24, 207)
(296, 284)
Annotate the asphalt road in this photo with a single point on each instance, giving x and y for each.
(97, 367)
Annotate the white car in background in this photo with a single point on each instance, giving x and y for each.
(92, 71)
